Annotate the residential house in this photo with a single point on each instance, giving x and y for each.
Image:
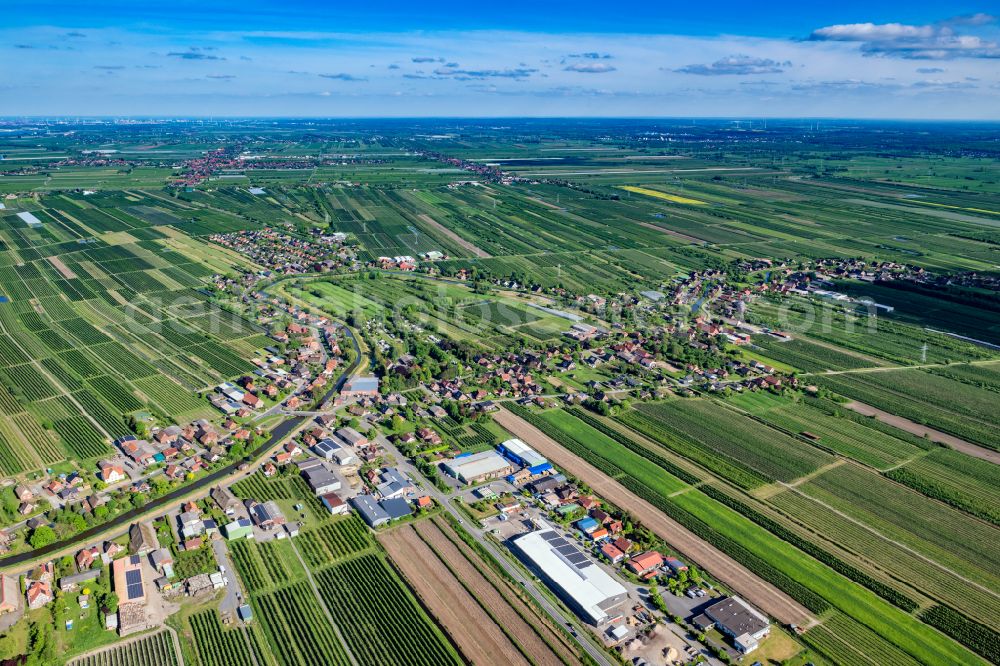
(38, 593)
(224, 500)
(645, 563)
(142, 539)
(85, 558)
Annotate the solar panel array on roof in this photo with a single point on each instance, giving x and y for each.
(133, 583)
(566, 549)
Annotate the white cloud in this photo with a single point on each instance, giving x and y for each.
(472, 71)
(590, 67)
(736, 65)
(932, 41)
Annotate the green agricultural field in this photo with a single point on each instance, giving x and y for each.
(153, 650)
(92, 327)
(940, 532)
(595, 443)
(350, 571)
(296, 627)
(868, 335)
(836, 433)
(218, 646)
(810, 357)
(889, 623)
(952, 406)
(968, 483)
(857, 541)
(397, 631)
(733, 436)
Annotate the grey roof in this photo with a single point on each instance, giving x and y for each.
(350, 435)
(736, 617)
(189, 517)
(369, 509)
(392, 488)
(320, 477)
(396, 508)
(266, 512)
(222, 497)
(309, 463)
(391, 474)
(160, 555)
(77, 578)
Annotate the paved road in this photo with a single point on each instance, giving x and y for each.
(278, 434)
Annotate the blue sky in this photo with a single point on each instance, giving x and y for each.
(295, 58)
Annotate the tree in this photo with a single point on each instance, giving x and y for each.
(107, 601)
(41, 648)
(42, 536)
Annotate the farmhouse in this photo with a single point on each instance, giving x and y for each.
(224, 500)
(575, 577)
(72, 581)
(478, 467)
(129, 585)
(191, 524)
(142, 539)
(267, 515)
(111, 473)
(352, 437)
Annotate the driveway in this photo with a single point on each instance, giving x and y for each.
(234, 591)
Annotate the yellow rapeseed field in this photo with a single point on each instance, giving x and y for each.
(663, 195)
(941, 205)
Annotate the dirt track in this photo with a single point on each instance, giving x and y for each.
(476, 634)
(501, 609)
(743, 581)
(461, 242)
(909, 426)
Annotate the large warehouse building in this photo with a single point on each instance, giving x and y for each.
(478, 467)
(521, 453)
(588, 588)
